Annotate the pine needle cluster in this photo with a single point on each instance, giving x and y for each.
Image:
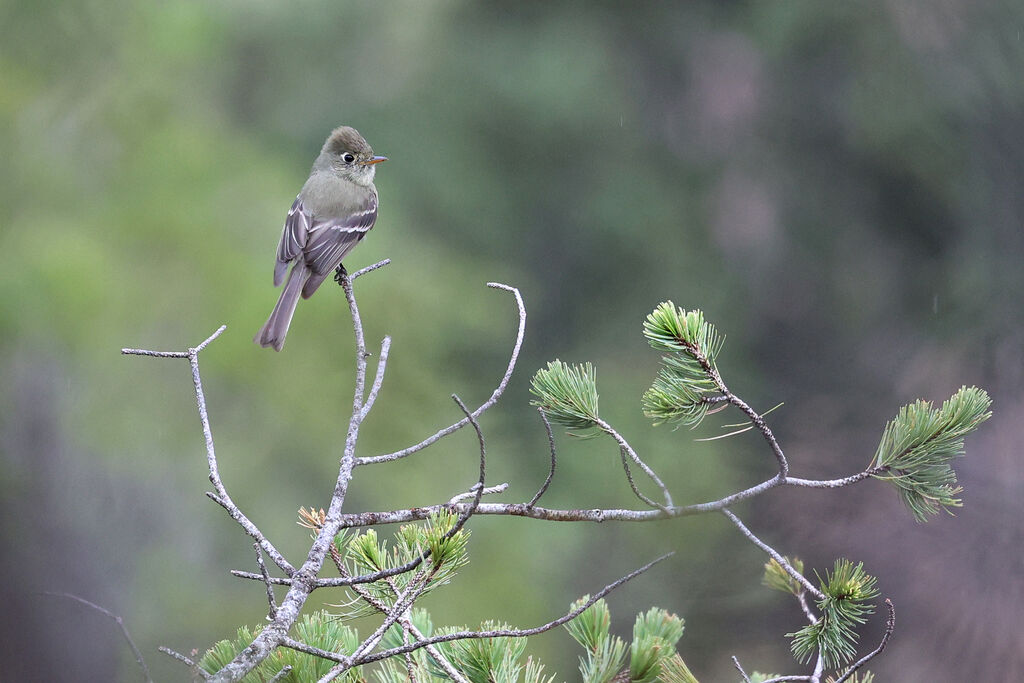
(567, 394)
(651, 655)
(688, 370)
(318, 629)
(777, 578)
(919, 445)
(365, 553)
(847, 589)
(481, 660)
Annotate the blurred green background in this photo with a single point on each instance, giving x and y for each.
(838, 185)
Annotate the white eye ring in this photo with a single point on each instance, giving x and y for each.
(348, 157)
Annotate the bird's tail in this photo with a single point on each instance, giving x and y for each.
(275, 329)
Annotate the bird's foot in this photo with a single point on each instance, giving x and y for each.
(340, 273)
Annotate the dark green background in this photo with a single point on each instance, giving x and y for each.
(838, 185)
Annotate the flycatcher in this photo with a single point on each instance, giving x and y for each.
(334, 210)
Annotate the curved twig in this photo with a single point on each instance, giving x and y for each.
(378, 379)
(484, 406)
(632, 484)
(221, 496)
(624, 445)
(554, 459)
(890, 626)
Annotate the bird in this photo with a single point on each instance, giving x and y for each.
(332, 213)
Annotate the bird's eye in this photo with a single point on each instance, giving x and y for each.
(348, 157)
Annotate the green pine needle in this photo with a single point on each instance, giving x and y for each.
(365, 554)
(673, 329)
(847, 589)
(674, 670)
(655, 634)
(919, 445)
(777, 578)
(858, 677)
(487, 660)
(604, 663)
(686, 377)
(658, 623)
(534, 672)
(318, 629)
(567, 394)
(591, 626)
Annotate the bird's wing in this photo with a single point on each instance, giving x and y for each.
(330, 240)
(296, 231)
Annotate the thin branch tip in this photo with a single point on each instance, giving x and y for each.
(117, 619)
(495, 395)
(204, 344)
(369, 269)
(185, 660)
(174, 354)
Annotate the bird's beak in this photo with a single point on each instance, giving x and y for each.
(374, 160)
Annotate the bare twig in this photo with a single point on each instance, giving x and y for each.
(117, 620)
(332, 674)
(802, 599)
(736, 663)
(304, 579)
(175, 354)
(483, 459)
(185, 660)
(276, 580)
(369, 269)
(435, 653)
(594, 515)
(349, 662)
(484, 406)
(514, 633)
(272, 612)
(490, 490)
(554, 459)
(775, 555)
(382, 361)
(406, 622)
(762, 427)
(403, 602)
(299, 646)
(410, 664)
(890, 626)
(632, 484)
(835, 483)
(280, 675)
(623, 444)
(755, 419)
(221, 496)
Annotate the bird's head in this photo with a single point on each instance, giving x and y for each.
(349, 155)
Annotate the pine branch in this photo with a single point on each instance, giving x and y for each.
(567, 394)
(919, 445)
(844, 607)
(684, 389)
